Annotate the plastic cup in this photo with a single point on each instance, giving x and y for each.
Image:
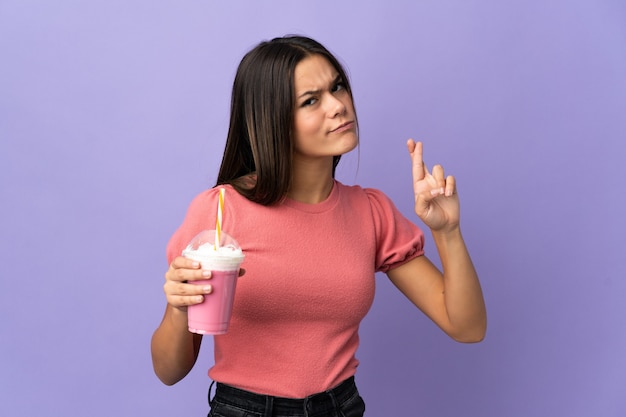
(212, 316)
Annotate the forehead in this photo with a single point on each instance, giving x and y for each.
(313, 73)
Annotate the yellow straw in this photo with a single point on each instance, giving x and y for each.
(218, 223)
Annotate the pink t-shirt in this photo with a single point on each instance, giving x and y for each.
(309, 282)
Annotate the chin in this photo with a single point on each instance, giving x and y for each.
(350, 145)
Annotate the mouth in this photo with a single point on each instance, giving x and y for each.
(344, 126)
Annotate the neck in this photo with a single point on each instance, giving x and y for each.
(311, 183)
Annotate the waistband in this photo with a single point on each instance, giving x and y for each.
(316, 404)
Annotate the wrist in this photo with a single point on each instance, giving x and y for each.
(177, 316)
(447, 234)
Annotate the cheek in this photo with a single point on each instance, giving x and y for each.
(305, 127)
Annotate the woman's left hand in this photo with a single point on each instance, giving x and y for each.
(436, 199)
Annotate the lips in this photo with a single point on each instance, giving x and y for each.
(343, 126)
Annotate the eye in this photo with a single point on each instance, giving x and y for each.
(340, 85)
(308, 102)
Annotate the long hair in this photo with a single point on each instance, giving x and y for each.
(257, 159)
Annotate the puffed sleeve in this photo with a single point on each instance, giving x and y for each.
(200, 216)
(398, 240)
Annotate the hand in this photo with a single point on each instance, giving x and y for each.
(179, 288)
(436, 199)
(179, 292)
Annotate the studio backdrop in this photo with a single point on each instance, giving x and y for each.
(113, 116)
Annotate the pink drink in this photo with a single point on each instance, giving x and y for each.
(212, 316)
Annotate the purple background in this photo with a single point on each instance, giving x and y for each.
(113, 116)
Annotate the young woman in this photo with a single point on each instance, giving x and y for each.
(312, 246)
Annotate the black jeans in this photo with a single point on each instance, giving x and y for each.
(341, 401)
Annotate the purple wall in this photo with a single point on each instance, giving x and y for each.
(113, 116)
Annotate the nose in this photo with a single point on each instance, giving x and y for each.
(336, 107)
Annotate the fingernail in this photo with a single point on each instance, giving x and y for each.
(206, 273)
(195, 264)
(436, 191)
(207, 289)
(448, 193)
(199, 299)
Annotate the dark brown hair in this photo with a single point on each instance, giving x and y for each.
(259, 147)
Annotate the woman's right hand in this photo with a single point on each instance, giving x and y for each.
(179, 290)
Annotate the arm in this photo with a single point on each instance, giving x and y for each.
(452, 299)
(174, 348)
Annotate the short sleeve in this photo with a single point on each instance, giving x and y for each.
(398, 240)
(200, 216)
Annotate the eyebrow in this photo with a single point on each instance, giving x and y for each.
(337, 79)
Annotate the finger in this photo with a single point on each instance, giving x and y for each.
(410, 144)
(172, 289)
(438, 176)
(186, 274)
(185, 301)
(450, 186)
(190, 294)
(415, 151)
(186, 294)
(182, 262)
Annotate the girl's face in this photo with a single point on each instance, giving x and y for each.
(324, 118)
